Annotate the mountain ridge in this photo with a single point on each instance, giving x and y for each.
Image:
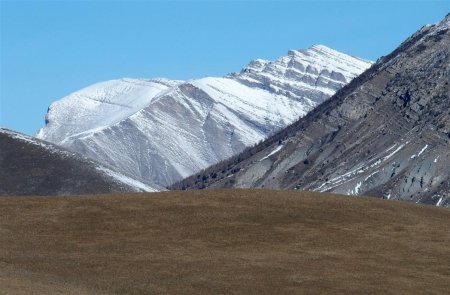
(174, 130)
(357, 141)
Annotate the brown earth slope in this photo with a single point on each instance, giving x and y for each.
(225, 241)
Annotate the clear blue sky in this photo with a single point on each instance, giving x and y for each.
(52, 48)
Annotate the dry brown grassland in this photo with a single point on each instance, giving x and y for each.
(222, 242)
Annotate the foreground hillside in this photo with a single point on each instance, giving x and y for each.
(226, 241)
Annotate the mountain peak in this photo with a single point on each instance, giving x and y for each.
(164, 131)
(446, 20)
(319, 48)
(307, 65)
(438, 26)
(445, 24)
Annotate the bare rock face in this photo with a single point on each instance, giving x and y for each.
(29, 166)
(162, 130)
(386, 134)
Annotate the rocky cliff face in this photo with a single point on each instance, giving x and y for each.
(29, 166)
(386, 134)
(162, 130)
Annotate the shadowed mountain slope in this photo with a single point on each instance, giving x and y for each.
(386, 134)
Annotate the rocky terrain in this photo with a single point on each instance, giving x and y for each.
(162, 130)
(386, 134)
(29, 166)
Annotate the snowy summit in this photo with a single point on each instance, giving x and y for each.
(164, 130)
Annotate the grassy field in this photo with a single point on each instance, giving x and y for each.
(222, 242)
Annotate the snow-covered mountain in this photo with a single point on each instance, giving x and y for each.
(29, 166)
(164, 130)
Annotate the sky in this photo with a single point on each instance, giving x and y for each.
(50, 49)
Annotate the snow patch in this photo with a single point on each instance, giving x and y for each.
(357, 189)
(361, 168)
(393, 153)
(127, 180)
(420, 152)
(275, 150)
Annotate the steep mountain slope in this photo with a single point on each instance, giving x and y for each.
(165, 130)
(29, 166)
(386, 134)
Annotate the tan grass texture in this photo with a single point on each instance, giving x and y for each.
(222, 242)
